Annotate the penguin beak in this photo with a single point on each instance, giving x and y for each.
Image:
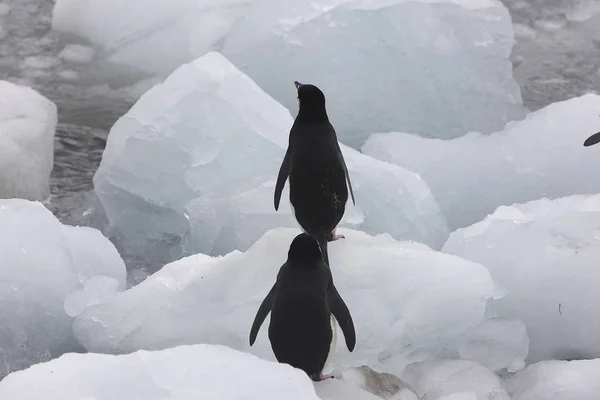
(297, 84)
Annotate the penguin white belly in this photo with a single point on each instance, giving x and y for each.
(332, 344)
(296, 219)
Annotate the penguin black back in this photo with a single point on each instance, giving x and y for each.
(301, 303)
(319, 179)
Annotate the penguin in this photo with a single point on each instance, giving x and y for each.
(318, 176)
(592, 140)
(304, 305)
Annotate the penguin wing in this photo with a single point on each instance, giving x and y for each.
(261, 314)
(340, 311)
(284, 172)
(595, 138)
(341, 158)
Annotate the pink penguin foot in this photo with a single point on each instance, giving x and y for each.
(322, 377)
(334, 236)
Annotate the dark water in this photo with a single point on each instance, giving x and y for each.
(556, 57)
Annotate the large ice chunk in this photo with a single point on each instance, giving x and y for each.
(542, 156)
(498, 344)
(42, 261)
(407, 301)
(385, 64)
(199, 372)
(438, 68)
(545, 255)
(557, 380)
(454, 380)
(191, 167)
(153, 36)
(27, 124)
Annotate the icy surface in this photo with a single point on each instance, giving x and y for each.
(407, 301)
(191, 168)
(199, 372)
(27, 124)
(545, 255)
(382, 384)
(76, 53)
(153, 36)
(454, 380)
(471, 176)
(42, 262)
(497, 344)
(557, 380)
(448, 59)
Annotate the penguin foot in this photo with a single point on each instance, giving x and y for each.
(321, 377)
(334, 236)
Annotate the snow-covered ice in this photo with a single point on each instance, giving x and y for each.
(448, 58)
(27, 125)
(408, 302)
(382, 384)
(191, 168)
(42, 262)
(471, 176)
(498, 344)
(439, 69)
(77, 53)
(544, 254)
(199, 372)
(153, 36)
(454, 380)
(557, 380)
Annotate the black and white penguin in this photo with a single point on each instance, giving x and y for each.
(304, 306)
(316, 169)
(592, 140)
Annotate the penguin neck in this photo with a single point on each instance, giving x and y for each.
(312, 115)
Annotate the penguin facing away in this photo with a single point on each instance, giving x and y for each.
(316, 169)
(303, 302)
(592, 140)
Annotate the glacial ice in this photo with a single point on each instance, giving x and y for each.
(199, 372)
(557, 380)
(408, 302)
(153, 36)
(544, 254)
(498, 344)
(43, 261)
(382, 384)
(471, 176)
(192, 166)
(76, 53)
(454, 380)
(410, 59)
(27, 124)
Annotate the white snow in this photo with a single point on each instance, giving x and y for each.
(545, 255)
(410, 60)
(27, 124)
(408, 302)
(77, 53)
(382, 384)
(42, 262)
(542, 156)
(192, 167)
(198, 372)
(454, 380)
(498, 344)
(557, 380)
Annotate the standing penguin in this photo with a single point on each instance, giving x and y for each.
(316, 168)
(303, 302)
(592, 140)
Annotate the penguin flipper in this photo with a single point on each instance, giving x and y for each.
(284, 172)
(595, 138)
(341, 158)
(340, 311)
(261, 314)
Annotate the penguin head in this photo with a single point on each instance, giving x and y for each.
(311, 101)
(304, 247)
